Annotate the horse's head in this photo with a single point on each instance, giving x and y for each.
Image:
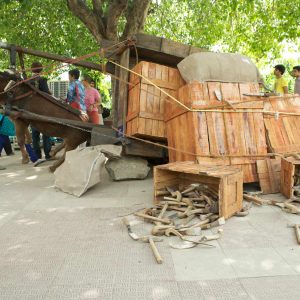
(5, 78)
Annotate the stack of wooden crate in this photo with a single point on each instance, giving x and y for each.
(146, 103)
(230, 136)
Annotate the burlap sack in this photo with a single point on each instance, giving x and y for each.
(80, 170)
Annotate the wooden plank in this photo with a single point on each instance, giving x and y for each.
(171, 143)
(232, 195)
(123, 89)
(138, 148)
(269, 175)
(211, 117)
(286, 178)
(234, 138)
(175, 48)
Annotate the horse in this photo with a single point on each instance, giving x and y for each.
(24, 96)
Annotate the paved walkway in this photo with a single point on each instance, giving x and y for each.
(56, 246)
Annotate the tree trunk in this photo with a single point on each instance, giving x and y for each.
(105, 24)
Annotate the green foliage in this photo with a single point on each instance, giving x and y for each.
(260, 29)
(257, 28)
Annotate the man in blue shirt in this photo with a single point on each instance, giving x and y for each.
(76, 93)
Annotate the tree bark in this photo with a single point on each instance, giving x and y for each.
(115, 10)
(136, 17)
(89, 18)
(105, 24)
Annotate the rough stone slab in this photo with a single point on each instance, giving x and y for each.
(110, 151)
(127, 168)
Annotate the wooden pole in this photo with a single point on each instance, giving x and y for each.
(109, 68)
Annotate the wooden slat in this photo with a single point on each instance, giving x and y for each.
(286, 178)
(269, 175)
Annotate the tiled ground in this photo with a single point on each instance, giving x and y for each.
(56, 246)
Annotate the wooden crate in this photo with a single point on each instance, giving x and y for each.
(145, 117)
(213, 133)
(226, 181)
(290, 174)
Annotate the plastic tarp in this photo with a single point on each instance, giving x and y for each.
(223, 67)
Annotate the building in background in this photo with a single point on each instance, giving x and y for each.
(59, 88)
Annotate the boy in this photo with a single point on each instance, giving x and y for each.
(280, 85)
(296, 74)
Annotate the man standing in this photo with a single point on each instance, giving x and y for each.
(76, 94)
(280, 85)
(41, 84)
(296, 74)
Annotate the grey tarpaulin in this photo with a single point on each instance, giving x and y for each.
(223, 67)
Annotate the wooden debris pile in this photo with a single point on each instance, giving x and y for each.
(184, 212)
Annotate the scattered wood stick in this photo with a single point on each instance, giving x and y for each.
(256, 200)
(165, 221)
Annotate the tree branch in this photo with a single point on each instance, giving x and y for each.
(97, 6)
(115, 10)
(136, 16)
(88, 18)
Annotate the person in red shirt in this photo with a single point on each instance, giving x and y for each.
(92, 100)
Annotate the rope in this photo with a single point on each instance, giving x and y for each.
(153, 143)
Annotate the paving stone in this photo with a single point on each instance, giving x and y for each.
(149, 290)
(226, 289)
(257, 262)
(28, 273)
(78, 292)
(24, 292)
(275, 288)
(291, 255)
(201, 263)
(136, 263)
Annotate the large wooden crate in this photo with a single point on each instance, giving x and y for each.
(290, 176)
(202, 134)
(226, 181)
(146, 103)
